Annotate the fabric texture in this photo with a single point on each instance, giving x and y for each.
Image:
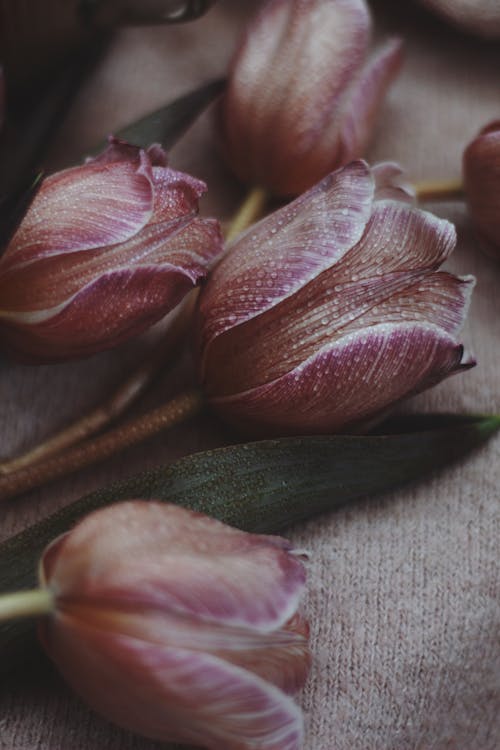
(403, 593)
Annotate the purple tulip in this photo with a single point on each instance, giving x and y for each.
(303, 95)
(178, 627)
(105, 250)
(331, 310)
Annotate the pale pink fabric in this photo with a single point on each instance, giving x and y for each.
(404, 589)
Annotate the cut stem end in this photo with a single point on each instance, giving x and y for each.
(31, 603)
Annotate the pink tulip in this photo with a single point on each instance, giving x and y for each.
(178, 627)
(482, 185)
(479, 16)
(329, 311)
(105, 250)
(302, 97)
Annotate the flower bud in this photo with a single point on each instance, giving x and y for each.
(331, 310)
(302, 98)
(481, 168)
(105, 250)
(479, 16)
(178, 627)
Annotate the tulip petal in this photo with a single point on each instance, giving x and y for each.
(172, 694)
(365, 98)
(351, 381)
(399, 248)
(184, 563)
(83, 208)
(269, 120)
(101, 205)
(284, 251)
(481, 167)
(390, 183)
(281, 656)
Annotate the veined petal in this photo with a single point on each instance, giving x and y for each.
(281, 656)
(352, 380)
(363, 101)
(107, 311)
(287, 249)
(184, 563)
(270, 121)
(400, 246)
(184, 246)
(83, 208)
(172, 694)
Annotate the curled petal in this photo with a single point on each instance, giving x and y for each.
(365, 98)
(400, 246)
(282, 253)
(184, 564)
(84, 208)
(349, 382)
(172, 694)
(390, 183)
(102, 315)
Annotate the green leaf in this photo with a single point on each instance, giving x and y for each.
(166, 125)
(263, 486)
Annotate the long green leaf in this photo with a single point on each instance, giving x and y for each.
(263, 486)
(167, 124)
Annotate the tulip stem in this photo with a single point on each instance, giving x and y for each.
(26, 604)
(108, 411)
(439, 190)
(250, 210)
(177, 410)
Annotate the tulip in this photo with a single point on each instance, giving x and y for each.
(331, 310)
(178, 627)
(105, 250)
(482, 17)
(302, 98)
(481, 167)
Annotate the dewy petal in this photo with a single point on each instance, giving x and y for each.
(365, 98)
(83, 208)
(347, 382)
(185, 246)
(106, 312)
(287, 249)
(184, 563)
(400, 246)
(172, 694)
(286, 80)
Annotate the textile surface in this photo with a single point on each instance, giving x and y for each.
(403, 592)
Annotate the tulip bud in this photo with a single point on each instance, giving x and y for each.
(479, 16)
(105, 250)
(331, 310)
(481, 167)
(178, 627)
(302, 98)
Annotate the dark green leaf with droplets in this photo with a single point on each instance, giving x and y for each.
(263, 486)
